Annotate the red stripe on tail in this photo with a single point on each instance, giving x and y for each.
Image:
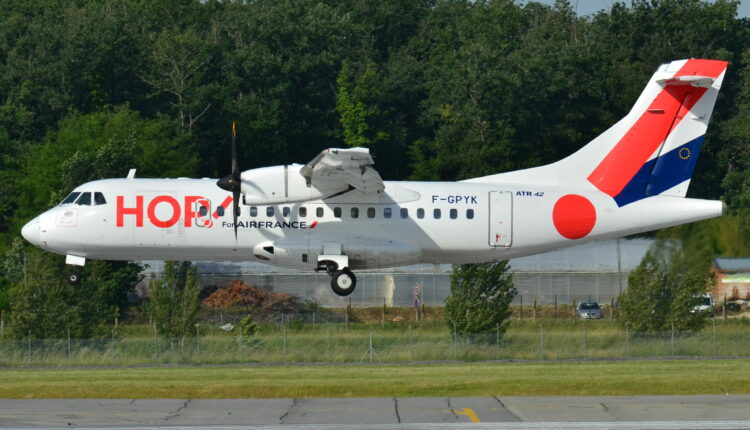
(651, 129)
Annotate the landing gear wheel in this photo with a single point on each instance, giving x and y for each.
(343, 282)
(74, 278)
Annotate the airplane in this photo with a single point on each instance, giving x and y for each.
(335, 213)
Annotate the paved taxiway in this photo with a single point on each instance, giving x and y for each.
(705, 411)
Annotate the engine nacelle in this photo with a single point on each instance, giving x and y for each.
(282, 184)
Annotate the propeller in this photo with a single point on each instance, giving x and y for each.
(233, 181)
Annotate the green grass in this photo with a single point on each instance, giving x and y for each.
(504, 379)
(338, 343)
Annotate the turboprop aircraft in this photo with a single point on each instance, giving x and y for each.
(335, 213)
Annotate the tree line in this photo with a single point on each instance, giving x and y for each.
(437, 89)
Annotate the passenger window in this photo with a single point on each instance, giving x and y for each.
(370, 212)
(286, 211)
(99, 199)
(203, 211)
(302, 212)
(387, 213)
(253, 211)
(454, 213)
(71, 198)
(319, 212)
(420, 213)
(436, 213)
(85, 199)
(337, 212)
(355, 212)
(470, 213)
(269, 211)
(220, 211)
(404, 213)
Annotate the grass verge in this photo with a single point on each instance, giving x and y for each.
(484, 379)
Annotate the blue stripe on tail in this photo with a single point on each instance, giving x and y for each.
(662, 173)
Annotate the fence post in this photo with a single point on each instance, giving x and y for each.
(575, 313)
(329, 343)
(2, 323)
(555, 306)
(411, 346)
(198, 341)
(611, 308)
(313, 320)
(627, 339)
(724, 307)
(585, 340)
(382, 318)
(455, 342)
(714, 324)
(284, 331)
(68, 344)
(533, 311)
(497, 341)
(29, 345)
(520, 312)
(672, 341)
(541, 342)
(156, 343)
(370, 349)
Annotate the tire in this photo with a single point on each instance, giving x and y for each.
(343, 282)
(74, 278)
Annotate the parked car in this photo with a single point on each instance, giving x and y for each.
(589, 311)
(706, 303)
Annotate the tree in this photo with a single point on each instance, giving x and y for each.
(175, 300)
(45, 306)
(480, 299)
(663, 291)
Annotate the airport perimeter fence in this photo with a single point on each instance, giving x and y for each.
(383, 343)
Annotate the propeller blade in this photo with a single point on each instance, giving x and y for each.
(233, 181)
(235, 163)
(235, 209)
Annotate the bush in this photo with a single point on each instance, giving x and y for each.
(663, 291)
(479, 304)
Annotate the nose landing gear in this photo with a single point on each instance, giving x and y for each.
(74, 278)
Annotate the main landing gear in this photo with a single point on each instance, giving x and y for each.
(342, 281)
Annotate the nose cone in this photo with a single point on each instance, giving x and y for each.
(31, 232)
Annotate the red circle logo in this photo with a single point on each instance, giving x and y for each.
(574, 216)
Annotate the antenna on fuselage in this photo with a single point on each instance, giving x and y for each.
(233, 181)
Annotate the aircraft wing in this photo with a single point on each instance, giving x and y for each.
(351, 167)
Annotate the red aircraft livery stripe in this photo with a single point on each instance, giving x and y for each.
(652, 128)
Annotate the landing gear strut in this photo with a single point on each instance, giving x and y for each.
(343, 282)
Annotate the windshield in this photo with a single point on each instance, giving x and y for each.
(71, 197)
(589, 306)
(706, 301)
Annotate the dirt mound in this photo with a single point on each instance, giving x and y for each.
(253, 298)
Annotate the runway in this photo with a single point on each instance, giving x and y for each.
(609, 412)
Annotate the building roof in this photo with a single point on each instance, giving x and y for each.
(732, 264)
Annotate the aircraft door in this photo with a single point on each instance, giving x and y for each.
(501, 219)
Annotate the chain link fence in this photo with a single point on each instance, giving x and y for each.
(298, 342)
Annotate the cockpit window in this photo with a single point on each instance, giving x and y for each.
(99, 199)
(71, 197)
(84, 200)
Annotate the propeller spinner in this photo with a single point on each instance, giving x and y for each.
(233, 181)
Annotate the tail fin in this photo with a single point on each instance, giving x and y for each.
(653, 149)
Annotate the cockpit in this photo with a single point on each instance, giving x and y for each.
(84, 198)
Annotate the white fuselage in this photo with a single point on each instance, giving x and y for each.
(408, 223)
